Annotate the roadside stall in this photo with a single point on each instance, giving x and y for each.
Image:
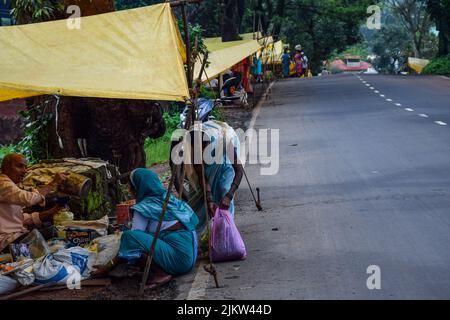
(229, 57)
(112, 55)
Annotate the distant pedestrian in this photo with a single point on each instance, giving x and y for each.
(298, 60)
(285, 60)
(257, 68)
(304, 63)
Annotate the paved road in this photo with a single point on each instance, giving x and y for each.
(362, 182)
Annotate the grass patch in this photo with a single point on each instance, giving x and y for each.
(157, 150)
(440, 65)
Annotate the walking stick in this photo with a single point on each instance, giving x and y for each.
(257, 202)
(209, 268)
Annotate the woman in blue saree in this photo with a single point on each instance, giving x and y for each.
(176, 249)
(286, 60)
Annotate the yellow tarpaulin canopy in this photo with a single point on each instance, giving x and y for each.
(417, 64)
(131, 54)
(273, 52)
(224, 55)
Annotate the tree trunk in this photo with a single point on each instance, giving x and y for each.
(230, 21)
(91, 7)
(114, 129)
(444, 48)
(279, 12)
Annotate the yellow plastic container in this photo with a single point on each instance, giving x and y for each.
(62, 215)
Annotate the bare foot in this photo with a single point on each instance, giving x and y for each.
(158, 280)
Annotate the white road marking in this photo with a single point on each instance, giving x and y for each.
(367, 84)
(409, 109)
(441, 123)
(390, 100)
(364, 81)
(376, 91)
(382, 95)
(398, 104)
(423, 115)
(372, 88)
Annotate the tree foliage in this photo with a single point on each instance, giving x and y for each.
(391, 45)
(31, 11)
(129, 4)
(319, 26)
(440, 65)
(415, 19)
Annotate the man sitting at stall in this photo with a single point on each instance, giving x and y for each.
(14, 223)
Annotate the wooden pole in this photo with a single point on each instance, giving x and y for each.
(187, 42)
(210, 268)
(27, 291)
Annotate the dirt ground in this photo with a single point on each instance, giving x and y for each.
(120, 289)
(127, 288)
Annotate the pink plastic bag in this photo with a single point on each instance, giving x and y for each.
(226, 242)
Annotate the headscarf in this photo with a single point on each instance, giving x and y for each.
(150, 197)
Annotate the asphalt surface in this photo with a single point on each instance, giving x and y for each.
(362, 182)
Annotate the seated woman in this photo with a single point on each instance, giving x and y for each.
(176, 248)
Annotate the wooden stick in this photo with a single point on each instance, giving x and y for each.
(258, 205)
(187, 42)
(181, 181)
(205, 60)
(27, 291)
(211, 269)
(84, 283)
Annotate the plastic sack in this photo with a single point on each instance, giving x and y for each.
(23, 274)
(19, 251)
(36, 243)
(47, 270)
(79, 237)
(100, 226)
(226, 241)
(77, 257)
(7, 285)
(107, 248)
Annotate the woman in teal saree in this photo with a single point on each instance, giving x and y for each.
(176, 249)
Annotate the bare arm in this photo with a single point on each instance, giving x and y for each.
(58, 180)
(36, 218)
(225, 202)
(11, 193)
